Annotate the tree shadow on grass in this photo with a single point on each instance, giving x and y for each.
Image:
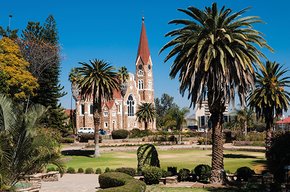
(237, 156)
(87, 153)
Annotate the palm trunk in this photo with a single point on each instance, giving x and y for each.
(217, 172)
(97, 119)
(268, 138)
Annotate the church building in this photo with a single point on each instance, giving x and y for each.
(119, 113)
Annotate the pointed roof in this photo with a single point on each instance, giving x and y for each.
(143, 49)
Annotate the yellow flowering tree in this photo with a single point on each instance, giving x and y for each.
(20, 83)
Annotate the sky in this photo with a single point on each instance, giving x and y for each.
(110, 30)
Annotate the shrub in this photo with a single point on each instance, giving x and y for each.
(107, 169)
(172, 138)
(128, 170)
(98, 171)
(244, 173)
(151, 174)
(120, 182)
(147, 155)
(80, 170)
(89, 171)
(50, 169)
(203, 172)
(137, 133)
(67, 140)
(165, 173)
(203, 141)
(172, 171)
(183, 175)
(71, 170)
(120, 134)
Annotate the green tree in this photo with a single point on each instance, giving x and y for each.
(147, 155)
(97, 82)
(24, 147)
(17, 81)
(245, 119)
(215, 51)
(270, 98)
(145, 113)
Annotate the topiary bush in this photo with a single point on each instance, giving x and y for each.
(120, 134)
(203, 172)
(120, 182)
(80, 170)
(89, 171)
(98, 171)
(128, 170)
(151, 174)
(71, 170)
(172, 171)
(107, 169)
(183, 175)
(147, 155)
(244, 173)
(50, 169)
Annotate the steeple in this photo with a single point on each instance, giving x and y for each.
(143, 49)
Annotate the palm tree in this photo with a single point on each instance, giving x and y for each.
(97, 82)
(123, 76)
(214, 53)
(146, 113)
(244, 119)
(25, 148)
(270, 98)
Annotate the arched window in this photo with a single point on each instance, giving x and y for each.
(130, 104)
(140, 84)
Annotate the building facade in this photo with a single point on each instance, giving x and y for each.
(119, 113)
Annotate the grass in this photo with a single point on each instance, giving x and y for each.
(178, 158)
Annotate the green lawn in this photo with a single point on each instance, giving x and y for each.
(179, 158)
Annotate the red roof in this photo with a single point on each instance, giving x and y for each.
(284, 121)
(143, 49)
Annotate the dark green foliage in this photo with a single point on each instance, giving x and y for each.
(151, 174)
(165, 173)
(120, 134)
(71, 170)
(50, 169)
(203, 172)
(98, 171)
(120, 182)
(147, 155)
(172, 171)
(107, 169)
(89, 171)
(80, 170)
(244, 173)
(128, 170)
(137, 133)
(184, 175)
(146, 113)
(279, 156)
(67, 140)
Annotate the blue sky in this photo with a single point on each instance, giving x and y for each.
(110, 30)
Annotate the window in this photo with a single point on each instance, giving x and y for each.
(140, 73)
(91, 110)
(130, 104)
(106, 113)
(106, 124)
(82, 112)
(140, 84)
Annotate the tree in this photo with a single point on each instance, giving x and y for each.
(214, 56)
(270, 98)
(24, 147)
(17, 81)
(244, 119)
(97, 82)
(145, 113)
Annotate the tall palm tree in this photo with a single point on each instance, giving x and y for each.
(214, 53)
(270, 97)
(146, 113)
(123, 76)
(97, 81)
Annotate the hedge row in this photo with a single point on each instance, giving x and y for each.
(120, 182)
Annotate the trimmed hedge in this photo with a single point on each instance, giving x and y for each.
(71, 170)
(120, 182)
(80, 170)
(128, 170)
(244, 173)
(151, 174)
(89, 171)
(98, 171)
(183, 175)
(203, 172)
(120, 134)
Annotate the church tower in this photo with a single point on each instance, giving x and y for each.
(144, 73)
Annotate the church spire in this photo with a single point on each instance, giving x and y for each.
(143, 49)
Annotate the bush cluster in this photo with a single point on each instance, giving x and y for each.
(71, 170)
(137, 133)
(184, 175)
(80, 170)
(128, 170)
(120, 182)
(120, 134)
(151, 174)
(172, 171)
(89, 171)
(203, 141)
(98, 171)
(244, 173)
(203, 172)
